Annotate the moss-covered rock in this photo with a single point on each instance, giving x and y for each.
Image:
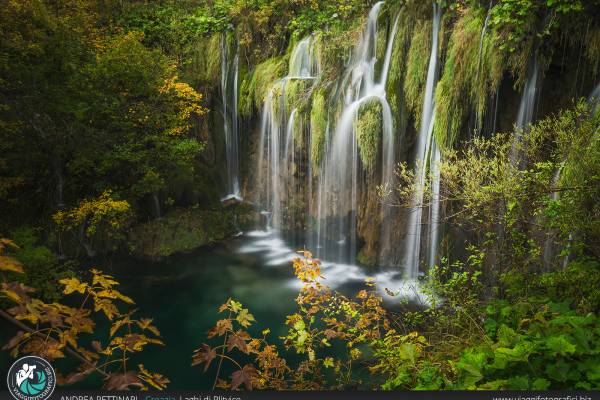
(185, 230)
(395, 82)
(473, 68)
(296, 93)
(416, 68)
(318, 129)
(204, 67)
(258, 82)
(368, 132)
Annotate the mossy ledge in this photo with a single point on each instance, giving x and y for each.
(368, 132)
(186, 230)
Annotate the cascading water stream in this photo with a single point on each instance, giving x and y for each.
(276, 152)
(526, 108)
(424, 145)
(478, 117)
(339, 184)
(229, 93)
(434, 208)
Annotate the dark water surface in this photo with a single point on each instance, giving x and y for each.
(183, 294)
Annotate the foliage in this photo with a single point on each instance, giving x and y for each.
(325, 320)
(94, 109)
(536, 345)
(42, 269)
(185, 230)
(105, 218)
(474, 67)
(55, 330)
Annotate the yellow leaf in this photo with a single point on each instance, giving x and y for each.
(10, 264)
(146, 324)
(7, 242)
(73, 285)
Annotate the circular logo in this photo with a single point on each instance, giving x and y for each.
(31, 378)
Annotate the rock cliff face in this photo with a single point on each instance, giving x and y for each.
(322, 130)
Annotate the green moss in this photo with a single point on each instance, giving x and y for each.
(298, 129)
(368, 133)
(459, 77)
(395, 83)
(468, 77)
(333, 49)
(205, 65)
(182, 231)
(296, 93)
(416, 68)
(318, 129)
(367, 257)
(257, 83)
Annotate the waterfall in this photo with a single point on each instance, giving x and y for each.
(229, 93)
(594, 98)
(339, 185)
(434, 208)
(526, 108)
(424, 145)
(156, 204)
(478, 117)
(277, 161)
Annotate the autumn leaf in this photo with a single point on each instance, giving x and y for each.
(106, 281)
(80, 322)
(244, 376)
(49, 350)
(244, 318)
(155, 380)
(7, 242)
(8, 263)
(204, 354)
(16, 291)
(84, 371)
(330, 333)
(107, 307)
(224, 306)
(122, 381)
(118, 324)
(114, 294)
(222, 326)
(238, 339)
(146, 324)
(73, 285)
(98, 348)
(67, 337)
(131, 342)
(235, 306)
(16, 340)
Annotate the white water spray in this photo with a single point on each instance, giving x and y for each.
(424, 144)
(229, 97)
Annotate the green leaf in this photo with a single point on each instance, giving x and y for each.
(540, 384)
(560, 345)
